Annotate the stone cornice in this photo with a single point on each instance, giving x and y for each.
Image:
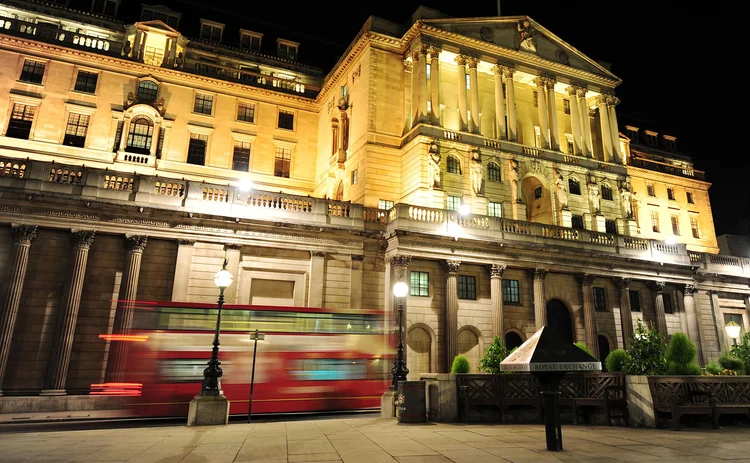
(677, 179)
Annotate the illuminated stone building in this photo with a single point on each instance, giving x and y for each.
(478, 159)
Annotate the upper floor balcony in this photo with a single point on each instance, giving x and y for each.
(88, 184)
(53, 34)
(651, 164)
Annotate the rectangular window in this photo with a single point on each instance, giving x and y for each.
(689, 196)
(675, 224)
(419, 283)
(667, 298)
(384, 204)
(566, 106)
(211, 32)
(246, 112)
(282, 165)
(197, 149)
(610, 226)
(538, 192)
(670, 193)
(511, 292)
(32, 72)
(599, 300)
(694, 227)
(494, 209)
(429, 71)
(86, 81)
(453, 203)
(241, 156)
(286, 120)
(75, 130)
(606, 193)
(635, 300)
(249, 42)
(287, 51)
(650, 189)
(105, 7)
(655, 221)
(354, 176)
(574, 187)
(20, 121)
(153, 56)
(577, 222)
(467, 287)
(203, 103)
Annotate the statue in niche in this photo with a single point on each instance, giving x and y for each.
(627, 202)
(179, 60)
(476, 172)
(131, 99)
(526, 36)
(127, 49)
(433, 159)
(514, 176)
(562, 192)
(594, 197)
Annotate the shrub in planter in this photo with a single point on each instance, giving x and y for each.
(680, 356)
(646, 354)
(742, 352)
(731, 363)
(493, 355)
(615, 360)
(713, 368)
(460, 365)
(583, 347)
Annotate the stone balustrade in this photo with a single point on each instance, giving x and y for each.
(92, 184)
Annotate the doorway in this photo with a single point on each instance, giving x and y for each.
(558, 319)
(603, 350)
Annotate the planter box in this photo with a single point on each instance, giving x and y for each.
(640, 403)
(442, 398)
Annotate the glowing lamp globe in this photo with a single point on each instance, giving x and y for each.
(245, 185)
(464, 209)
(223, 278)
(400, 289)
(733, 329)
(670, 240)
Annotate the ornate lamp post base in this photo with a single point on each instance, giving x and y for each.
(208, 410)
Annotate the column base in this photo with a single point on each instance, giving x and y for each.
(49, 392)
(388, 404)
(208, 410)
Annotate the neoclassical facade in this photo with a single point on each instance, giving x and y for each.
(480, 160)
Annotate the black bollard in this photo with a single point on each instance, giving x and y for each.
(552, 426)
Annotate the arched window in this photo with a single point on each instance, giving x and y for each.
(340, 192)
(147, 91)
(453, 165)
(574, 186)
(607, 192)
(493, 172)
(140, 135)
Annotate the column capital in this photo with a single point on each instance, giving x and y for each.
(601, 99)
(497, 270)
(434, 52)
(540, 274)
(623, 283)
(657, 286)
(452, 265)
(185, 242)
(539, 81)
(690, 289)
(400, 261)
(506, 70)
(587, 279)
(581, 91)
(407, 65)
(472, 62)
(358, 257)
(612, 100)
(317, 254)
(23, 234)
(460, 60)
(82, 238)
(418, 51)
(136, 243)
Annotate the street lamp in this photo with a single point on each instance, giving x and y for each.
(212, 373)
(399, 370)
(733, 330)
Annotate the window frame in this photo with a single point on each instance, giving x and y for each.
(283, 150)
(467, 284)
(354, 176)
(655, 224)
(78, 125)
(571, 189)
(667, 302)
(242, 147)
(203, 96)
(695, 227)
(213, 25)
(607, 193)
(192, 135)
(566, 106)
(453, 161)
(493, 207)
(420, 289)
(290, 45)
(670, 194)
(96, 75)
(610, 224)
(42, 78)
(32, 122)
(138, 91)
(538, 193)
(689, 197)
(452, 199)
(494, 173)
(599, 298)
(254, 111)
(148, 137)
(674, 220)
(251, 35)
(651, 190)
(576, 222)
(637, 296)
(281, 111)
(385, 204)
(508, 291)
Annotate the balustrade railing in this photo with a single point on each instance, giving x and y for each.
(561, 233)
(339, 209)
(281, 202)
(116, 182)
(422, 214)
(375, 215)
(730, 261)
(666, 248)
(66, 175)
(169, 189)
(220, 195)
(695, 257)
(512, 226)
(601, 239)
(639, 244)
(11, 168)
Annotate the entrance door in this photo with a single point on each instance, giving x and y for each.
(603, 350)
(558, 319)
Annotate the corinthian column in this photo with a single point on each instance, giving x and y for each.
(420, 59)
(12, 286)
(690, 312)
(586, 143)
(626, 316)
(661, 318)
(62, 345)
(613, 101)
(435, 83)
(496, 297)
(575, 119)
(551, 101)
(604, 123)
(511, 94)
(118, 350)
(474, 92)
(499, 103)
(462, 111)
(589, 318)
(540, 299)
(543, 111)
(451, 312)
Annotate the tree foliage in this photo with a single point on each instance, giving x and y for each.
(680, 356)
(493, 355)
(615, 360)
(742, 352)
(460, 365)
(647, 353)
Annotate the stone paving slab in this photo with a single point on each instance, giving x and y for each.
(371, 439)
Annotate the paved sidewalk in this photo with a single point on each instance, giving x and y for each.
(373, 440)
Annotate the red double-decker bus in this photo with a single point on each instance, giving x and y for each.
(311, 359)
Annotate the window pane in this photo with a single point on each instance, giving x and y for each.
(511, 291)
(197, 149)
(453, 203)
(241, 159)
(538, 192)
(32, 72)
(599, 302)
(635, 301)
(383, 204)
(577, 222)
(419, 283)
(494, 209)
(610, 226)
(574, 187)
(655, 221)
(675, 225)
(203, 103)
(86, 81)
(75, 130)
(607, 193)
(667, 298)
(467, 287)
(140, 135)
(147, 91)
(493, 172)
(246, 112)
(282, 162)
(286, 120)
(20, 122)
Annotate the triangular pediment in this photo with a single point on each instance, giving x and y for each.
(157, 24)
(522, 34)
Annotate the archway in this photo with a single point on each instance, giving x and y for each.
(538, 200)
(512, 340)
(339, 192)
(418, 350)
(603, 349)
(558, 319)
(468, 345)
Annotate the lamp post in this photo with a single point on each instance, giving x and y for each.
(256, 336)
(212, 373)
(399, 370)
(733, 330)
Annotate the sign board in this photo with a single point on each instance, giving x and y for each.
(255, 336)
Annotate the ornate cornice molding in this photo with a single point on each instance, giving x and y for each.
(657, 174)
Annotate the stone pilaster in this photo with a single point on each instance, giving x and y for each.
(575, 119)
(233, 256)
(118, 350)
(496, 298)
(62, 344)
(420, 59)
(474, 93)
(688, 300)
(589, 317)
(540, 299)
(451, 312)
(317, 276)
(185, 251)
(511, 97)
(435, 83)
(12, 286)
(355, 292)
(462, 110)
(661, 318)
(587, 148)
(605, 127)
(613, 101)
(543, 111)
(626, 315)
(500, 124)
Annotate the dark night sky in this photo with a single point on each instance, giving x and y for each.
(675, 63)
